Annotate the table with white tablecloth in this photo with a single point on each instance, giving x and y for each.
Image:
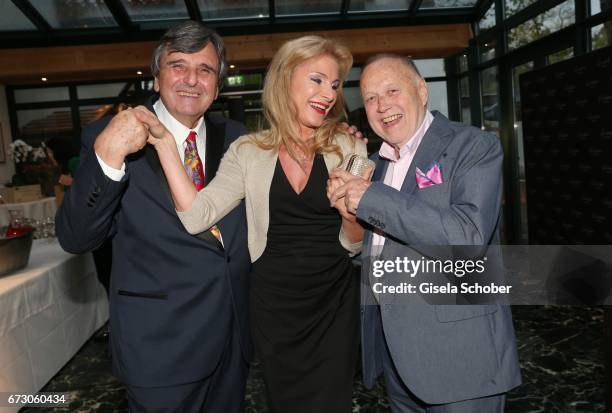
(48, 310)
(39, 210)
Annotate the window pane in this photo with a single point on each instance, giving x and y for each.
(601, 35)
(158, 10)
(514, 6)
(43, 94)
(254, 120)
(147, 85)
(487, 50)
(464, 96)
(385, 5)
(252, 102)
(52, 121)
(105, 90)
(463, 63)
(439, 4)
(231, 9)
(11, 18)
(354, 74)
(90, 114)
(301, 7)
(74, 14)
(560, 56)
(438, 98)
(518, 136)
(352, 97)
(488, 20)
(490, 99)
(542, 25)
(430, 67)
(597, 6)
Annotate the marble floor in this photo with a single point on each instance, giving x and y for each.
(561, 352)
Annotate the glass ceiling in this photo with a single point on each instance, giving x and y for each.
(13, 19)
(360, 6)
(288, 8)
(446, 4)
(233, 9)
(41, 23)
(140, 11)
(69, 14)
(74, 14)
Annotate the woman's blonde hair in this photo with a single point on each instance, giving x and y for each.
(279, 110)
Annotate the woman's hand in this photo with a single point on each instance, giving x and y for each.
(352, 229)
(351, 189)
(159, 136)
(353, 132)
(332, 185)
(182, 189)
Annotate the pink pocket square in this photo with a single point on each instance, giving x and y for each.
(432, 177)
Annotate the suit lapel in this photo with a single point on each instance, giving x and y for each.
(431, 148)
(153, 159)
(379, 175)
(215, 141)
(380, 170)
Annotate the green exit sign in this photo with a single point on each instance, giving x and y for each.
(234, 80)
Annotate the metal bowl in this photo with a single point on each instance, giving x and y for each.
(14, 252)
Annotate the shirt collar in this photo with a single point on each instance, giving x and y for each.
(388, 152)
(176, 128)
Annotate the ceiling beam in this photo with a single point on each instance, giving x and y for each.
(414, 7)
(121, 60)
(419, 42)
(31, 13)
(193, 9)
(120, 15)
(257, 26)
(481, 8)
(344, 7)
(272, 10)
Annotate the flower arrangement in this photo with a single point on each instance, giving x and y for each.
(21, 152)
(33, 165)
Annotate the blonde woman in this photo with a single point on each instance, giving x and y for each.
(304, 293)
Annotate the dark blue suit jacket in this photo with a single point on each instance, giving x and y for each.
(173, 295)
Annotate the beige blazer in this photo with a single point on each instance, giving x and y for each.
(246, 172)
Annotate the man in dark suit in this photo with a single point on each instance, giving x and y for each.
(178, 303)
(439, 185)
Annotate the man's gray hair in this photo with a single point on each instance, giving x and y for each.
(408, 62)
(190, 37)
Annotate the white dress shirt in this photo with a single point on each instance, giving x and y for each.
(398, 167)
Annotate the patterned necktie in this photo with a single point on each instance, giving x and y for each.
(193, 167)
(193, 163)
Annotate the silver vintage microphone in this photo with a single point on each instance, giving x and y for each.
(357, 165)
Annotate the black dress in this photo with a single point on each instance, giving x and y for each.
(305, 301)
